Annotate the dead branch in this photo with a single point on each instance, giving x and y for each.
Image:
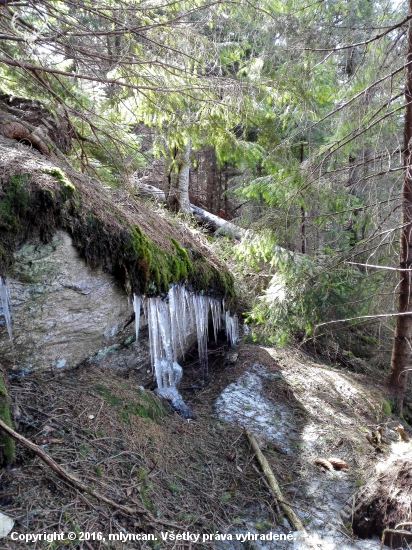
(293, 519)
(66, 475)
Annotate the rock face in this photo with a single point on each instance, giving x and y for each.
(65, 313)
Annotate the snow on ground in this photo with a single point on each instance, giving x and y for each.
(243, 402)
(338, 413)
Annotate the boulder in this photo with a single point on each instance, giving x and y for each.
(65, 314)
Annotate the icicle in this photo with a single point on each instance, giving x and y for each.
(232, 328)
(177, 325)
(201, 310)
(153, 325)
(137, 301)
(169, 323)
(144, 309)
(217, 312)
(5, 303)
(163, 314)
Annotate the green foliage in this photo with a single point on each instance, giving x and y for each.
(310, 124)
(303, 291)
(386, 408)
(173, 488)
(141, 473)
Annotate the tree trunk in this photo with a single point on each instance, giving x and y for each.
(302, 210)
(215, 223)
(176, 185)
(401, 353)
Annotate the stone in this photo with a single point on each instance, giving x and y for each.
(64, 313)
(6, 525)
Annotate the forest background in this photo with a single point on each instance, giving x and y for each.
(292, 119)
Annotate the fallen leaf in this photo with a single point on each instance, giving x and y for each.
(402, 434)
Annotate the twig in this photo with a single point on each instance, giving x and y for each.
(379, 266)
(269, 488)
(394, 531)
(82, 487)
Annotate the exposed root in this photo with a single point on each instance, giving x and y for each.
(385, 502)
(16, 130)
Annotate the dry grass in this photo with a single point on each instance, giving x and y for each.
(198, 474)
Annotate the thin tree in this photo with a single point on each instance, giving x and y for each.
(401, 353)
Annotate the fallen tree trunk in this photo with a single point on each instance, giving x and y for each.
(215, 223)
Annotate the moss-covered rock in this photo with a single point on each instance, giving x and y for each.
(142, 251)
(6, 442)
(15, 202)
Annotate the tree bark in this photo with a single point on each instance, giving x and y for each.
(177, 179)
(401, 353)
(215, 223)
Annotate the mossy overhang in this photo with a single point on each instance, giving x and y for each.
(144, 250)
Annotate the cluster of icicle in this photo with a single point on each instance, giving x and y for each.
(169, 322)
(5, 305)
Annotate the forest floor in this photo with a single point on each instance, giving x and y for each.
(200, 475)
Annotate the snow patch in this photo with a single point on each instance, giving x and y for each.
(243, 402)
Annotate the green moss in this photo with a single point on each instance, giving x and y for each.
(6, 442)
(122, 249)
(15, 202)
(146, 406)
(369, 340)
(386, 408)
(67, 187)
(106, 393)
(207, 277)
(153, 269)
(145, 500)
(48, 193)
